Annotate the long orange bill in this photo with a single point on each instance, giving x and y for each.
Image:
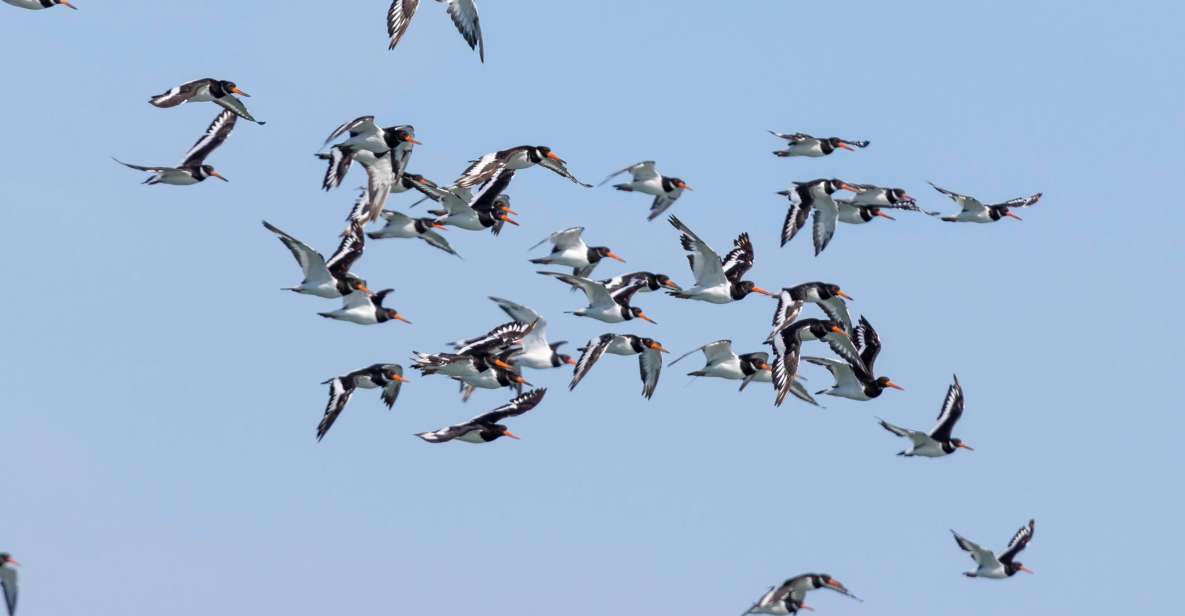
(686, 187)
(671, 284)
(67, 3)
(508, 210)
(555, 157)
(235, 89)
(511, 435)
(969, 448)
(219, 176)
(762, 291)
(660, 348)
(642, 315)
(13, 561)
(846, 146)
(411, 139)
(1026, 569)
(509, 220)
(894, 386)
(399, 317)
(845, 296)
(835, 329)
(570, 361)
(614, 257)
(503, 365)
(1011, 215)
(437, 225)
(884, 215)
(398, 379)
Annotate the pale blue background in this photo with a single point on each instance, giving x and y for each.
(161, 393)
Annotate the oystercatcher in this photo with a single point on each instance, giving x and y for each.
(646, 281)
(788, 597)
(852, 381)
(813, 195)
(648, 351)
(326, 279)
(37, 5)
(646, 179)
(938, 442)
(787, 346)
(463, 13)
(717, 280)
(388, 377)
(988, 565)
(193, 168)
(365, 308)
(491, 165)
(802, 144)
(205, 90)
(975, 211)
(485, 428)
(603, 305)
(569, 250)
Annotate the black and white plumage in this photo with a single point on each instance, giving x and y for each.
(802, 144)
(192, 168)
(645, 281)
(855, 382)
(827, 296)
(603, 305)
(388, 377)
(329, 279)
(787, 350)
(463, 13)
(484, 371)
(517, 158)
(383, 152)
(8, 581)
(789, 596)
(534, 350)
(988, 565)
(489, 209)
(401, 226)
(37, 5)
(218, 91)
(976, 211)
(568, 249)
(648, 351)
(365, 308)
(813, 196)
(486, 427)
(646, 179)
(938, 442)
(720, 361)
(717, 280)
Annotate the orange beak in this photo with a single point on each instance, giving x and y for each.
(411, 139)
(642, 315)
(570, 361)
(508, 210)
(398, 378)
(363, 288)
(219, 176)
(235, 89)
(511, 435)
(836, 330)
(671, 284)
(660, 348)
(1026, 570)
(555, 157)
(614, 257)
(845, 296)
(437, 225)
(503, 365)
(684, 186)
(67, 3)
(762, 291)
(1011, 215)
(506, 218)
(399, 317)
(884, 215)
(803, 606)
(969, 448)
(846, 146)
(894, 386)
(12, 561)
(521, 381)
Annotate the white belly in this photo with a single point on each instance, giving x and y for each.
(605, 315)
(720, 294)
(393, 231)
(467, 221)
(727, 369)
(26, 4)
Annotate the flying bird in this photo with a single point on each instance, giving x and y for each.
(852, 381)
(206, 90)
(988, 565)
(787, 347)
(720, 361)
(37, 5)
(788, 597)
(388, 377)
(401, 226)
(463, 13)
(827, 296)
(478, 361)
(802, 144)
(646, 179)
(975, 211)
(365, 308)
(486, 428)
(517, 158)
(193, 168)
(648, 351)
(534, 350)
(569, 250)
(489, 209)
(8, 581)
(645, 281)
(815, 196)
(938, 442)
(329, 279)
(603, 305)
(717, 280)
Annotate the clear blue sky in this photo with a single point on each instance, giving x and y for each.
(162, 393)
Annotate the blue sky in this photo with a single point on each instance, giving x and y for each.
(162, 393)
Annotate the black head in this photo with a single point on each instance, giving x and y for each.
(596, 253)
(884, 383)
(636, 313)
(1015, 567)
(823, 580)
(652, 344)
(405, 134)
(743, 288)
(542, 151)
(7, 559)
(207, 171)
(829, 290)
(672, 183)
(665, 281)
(229, 87)
(497, 431)
(1001, 211)
(898, 195)
(821, 328)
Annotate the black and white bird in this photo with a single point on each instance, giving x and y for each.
(8, 581)
(938, 442)
(603, 305)
(489, 209)
(646, 281)
(1004, 566)
(534, 351)
(851, 381)
(648, 351)
(787, 350)
(717, 280)
(463, 13)
(37, 5)
(381, 184)
(871, 201)
(401, 226)
(813, 196)
(206, 90)
(365, 308)
(329, 279)
(789, 596)
(720, 361)
(802, 144)
(569, 250)
(517, 158)
(646, 179)
(193, 167)
(388, 377)
(486, 372)
(485, 428)
(827, 296)
(976, 211)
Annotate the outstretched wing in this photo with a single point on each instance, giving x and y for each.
(642, 171)
(785, 365)
(468, 23)
(650, 365)
(591, 353)
(215, 136)
(868, 342)
(515, 407)
(970, 205)
(561, 169)
(351, 247)
(739, 260)
(796, 214)
(1019, 201)
(567, 238)
(179, 94)
(312, 264)
(9, 585)
(357, 126)
(497, 339)
(706, 265)
(1018, 543)
(978, 554)
(596, 292)
(340, 391)
(793, 137)
(952, 410)
(714, 352)
(391, 389)
(825, 217)
(399, 18)
(480, 171)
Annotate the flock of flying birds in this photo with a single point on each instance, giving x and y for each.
(477, 201)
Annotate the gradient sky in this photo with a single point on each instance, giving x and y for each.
(162, 393)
